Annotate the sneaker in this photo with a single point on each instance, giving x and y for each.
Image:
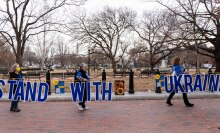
(79, 107)
(86, 108)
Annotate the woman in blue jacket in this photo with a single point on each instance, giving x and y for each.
(178, 70)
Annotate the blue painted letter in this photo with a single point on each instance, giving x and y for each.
(166, 84)
(213, 83)
(198, 83)
(177, 80)
(97, 84)
(19, 91)
(11, 86)
(77, 90)
(104, 91)
(88, 92)
(3, 84)
(205, 81)
(31, 93)
(187, 84)
(43, 85)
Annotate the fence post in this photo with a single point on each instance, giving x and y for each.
(48, 80)
(131, 82)
(158, 84)
(103, 76)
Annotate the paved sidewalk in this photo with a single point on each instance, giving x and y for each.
(134, 116)
(136, 96)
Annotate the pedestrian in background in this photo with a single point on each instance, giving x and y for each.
(177, 69)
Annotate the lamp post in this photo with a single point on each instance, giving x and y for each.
(121, 61)
(39, 63)
(89, 52)
(48, 79)
(89, 62)
(197, 61)
(122, 64)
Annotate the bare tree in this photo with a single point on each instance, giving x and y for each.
(30, 56)
(202, 16)
(6, 56)
(62, 52)
(44, 41)
(188, 58)
(21, 19)
(97, 58)
(156, 32)
(105, 30)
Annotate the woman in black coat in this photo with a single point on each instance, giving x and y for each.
(15, 74)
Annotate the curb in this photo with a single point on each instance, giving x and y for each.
(136, 96)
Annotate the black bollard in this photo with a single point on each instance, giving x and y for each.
(103, 76)
(48, 80)
(158, 88)
(131, 82)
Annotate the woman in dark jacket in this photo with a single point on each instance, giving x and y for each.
(178, 70)
(15, 74)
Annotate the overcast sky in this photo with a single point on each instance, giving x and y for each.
(138, 5)
(91, 6)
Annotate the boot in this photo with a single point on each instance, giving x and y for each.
(189, 105)
(169, 103)
(15, 109)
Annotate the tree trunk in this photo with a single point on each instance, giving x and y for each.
(114, 65)
(19, 51)
(217, 61)
(217, 55)
(151, 59)
(19, 59)
(151, 67)
(30, 63)
(62, 62)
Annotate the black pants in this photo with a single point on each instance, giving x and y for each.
(185, 99)
(84, 97)
(14, 104)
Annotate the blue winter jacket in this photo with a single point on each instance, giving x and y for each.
(177, 69)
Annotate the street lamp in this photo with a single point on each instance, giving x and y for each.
(131, 64)
(89, 62)
(39, 63)
(122, 64)
(89, 59)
